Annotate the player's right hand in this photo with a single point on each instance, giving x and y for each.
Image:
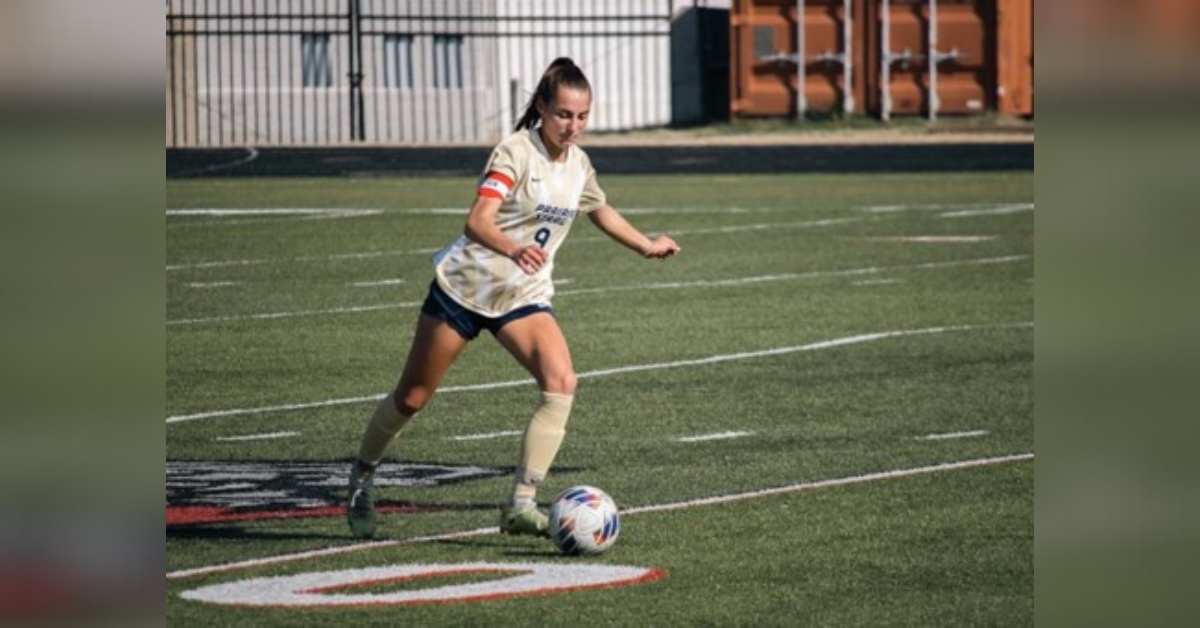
(661, 247)
(530, 258)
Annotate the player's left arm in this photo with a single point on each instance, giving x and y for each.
(614, 225)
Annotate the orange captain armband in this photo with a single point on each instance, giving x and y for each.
(496, 185)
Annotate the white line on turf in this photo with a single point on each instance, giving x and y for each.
(737, 281)
(942, 207)
(488, 436)
(767, 225)
(953, 435)
(933, 239)
(636, 368)
(624, 210)
(373, 284)
(718, 436)
(887, 209)
(764, 226)
(268, 436)
(1007, 209)
(428, 251)
(275, 315)
(274, 211)
(707, 501)
(875, 282)
(230, 217)
(642, 211)
(703, 283)
(854, 479)
(307, 258)
(436, 211)
(211, 284)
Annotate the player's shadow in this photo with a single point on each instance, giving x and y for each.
(226, 532)
(491, 542)
(549, 552)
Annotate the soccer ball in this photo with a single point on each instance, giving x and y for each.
(584, 520)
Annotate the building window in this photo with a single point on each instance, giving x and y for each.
(397, 61)
(447, 61)
(316, 70)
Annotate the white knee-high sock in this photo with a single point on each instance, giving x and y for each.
(386, 424)
(540, 444)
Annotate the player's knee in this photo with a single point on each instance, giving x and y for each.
(412, 400)
(562, 383)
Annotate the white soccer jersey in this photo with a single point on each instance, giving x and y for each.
(541, 199)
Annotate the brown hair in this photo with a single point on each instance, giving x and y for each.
(562, 73)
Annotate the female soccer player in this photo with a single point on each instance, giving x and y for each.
(496, 276)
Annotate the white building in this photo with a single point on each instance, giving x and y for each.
(283, 72)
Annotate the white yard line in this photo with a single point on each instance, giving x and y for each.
(854, 479)
(430, 251)
(238, 217)
(436, 211)
(994, 211)
(928, 207)
(211, 284)
(707, 501)
(875, 282)
(277, 315)
(736, 281)
(374, 284)
(644, 211)
(269, 436)
(488, 436)
(933, 239)
(708, 437)
(807, 224)
(763, 226)
(307, 258)
(272, 211)
(675, 285)
(953, 435)
(715, 359)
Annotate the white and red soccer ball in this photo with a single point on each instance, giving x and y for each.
(584, 520)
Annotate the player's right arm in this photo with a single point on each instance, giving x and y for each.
(613, 224)
(481, 228)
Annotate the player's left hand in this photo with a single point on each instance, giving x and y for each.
(661, 247)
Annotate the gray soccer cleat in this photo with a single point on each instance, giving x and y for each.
(524, 519)
(360, 510)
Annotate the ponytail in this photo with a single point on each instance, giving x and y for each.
(562, 73)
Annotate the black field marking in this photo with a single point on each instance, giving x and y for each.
(465, 161)
(707, 501)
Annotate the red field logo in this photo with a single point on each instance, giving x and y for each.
(213, 492)
(337, 588)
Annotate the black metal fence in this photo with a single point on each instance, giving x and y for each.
(305, 72)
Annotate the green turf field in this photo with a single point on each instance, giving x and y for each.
(814, 328)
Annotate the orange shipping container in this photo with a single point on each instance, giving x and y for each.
(982, 53)
(1014, 57)
(763, 72)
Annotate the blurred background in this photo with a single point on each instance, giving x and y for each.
(317, 72)
(82, 231)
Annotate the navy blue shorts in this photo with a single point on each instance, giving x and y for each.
(468, 324)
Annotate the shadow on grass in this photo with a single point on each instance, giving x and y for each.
(226, 532)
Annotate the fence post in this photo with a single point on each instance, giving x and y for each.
(934, 101)
(357, 123)
(801, 64)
